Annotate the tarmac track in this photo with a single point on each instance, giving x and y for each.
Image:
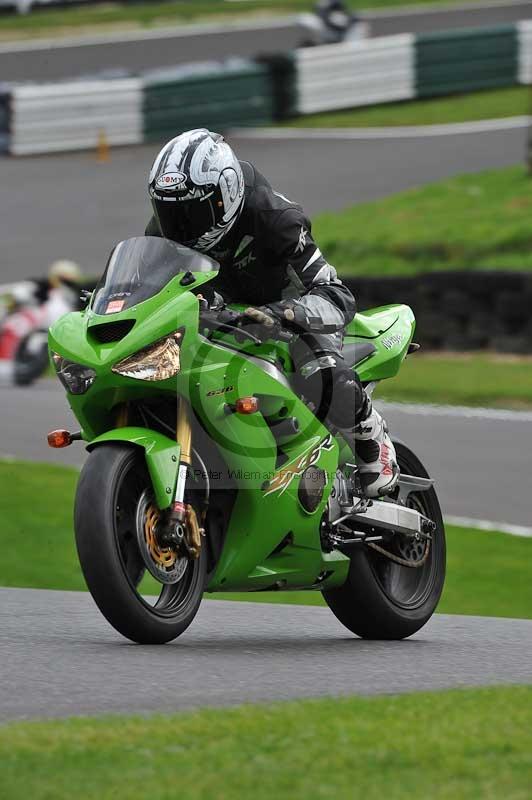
(59, 657)
(69, 206)
(45, 61)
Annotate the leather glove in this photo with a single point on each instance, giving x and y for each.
(298, 318)
(210, 299)
(260, 322)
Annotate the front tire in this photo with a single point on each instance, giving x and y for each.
(112, 485)
(382, 599)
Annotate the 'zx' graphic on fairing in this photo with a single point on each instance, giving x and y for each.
(282, 479)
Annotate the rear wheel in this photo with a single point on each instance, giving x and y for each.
(384, 599)
(115, 518)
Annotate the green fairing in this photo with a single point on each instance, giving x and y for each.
(214, 373)
(162, 457)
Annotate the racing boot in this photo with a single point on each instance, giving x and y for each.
(375, 456)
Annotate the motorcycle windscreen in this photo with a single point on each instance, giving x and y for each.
(140, 268)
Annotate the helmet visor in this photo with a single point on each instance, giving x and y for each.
(185, 221)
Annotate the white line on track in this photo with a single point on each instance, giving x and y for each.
(395, 132)
(490, 526)
(466, 412)
(176, 32)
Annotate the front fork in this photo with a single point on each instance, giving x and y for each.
(184, 438)
(180, 524)
(177, 525)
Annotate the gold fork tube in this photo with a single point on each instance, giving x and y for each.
(122, 415)
(184, 431)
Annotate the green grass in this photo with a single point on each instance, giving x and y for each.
(459, 108)
(469, 222)
(44, 21)
(488, 573)
(454, 745)
(473, 379)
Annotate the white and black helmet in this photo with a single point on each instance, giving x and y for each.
(196, 189)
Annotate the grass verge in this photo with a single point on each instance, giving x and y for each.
(460, 108)
(461, 744)
(50, 21)
(38, 551)
(477, 221)
(471, 379)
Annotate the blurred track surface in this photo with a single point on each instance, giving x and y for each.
(415, 19)
(134, 52)
(471, 458)
(70, 206)
(59, 657)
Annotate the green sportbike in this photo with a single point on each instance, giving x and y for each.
(209, 472)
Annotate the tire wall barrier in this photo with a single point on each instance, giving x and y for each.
(4, 118)
(459, 310)
(73, 116)
(206, 96)
(466, 61)
(524, 39)
(355, 73)
(44, 118)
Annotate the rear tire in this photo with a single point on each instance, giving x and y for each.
(383, 600)
(112, 484)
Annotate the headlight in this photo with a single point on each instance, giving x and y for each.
(76, 378)
(157, 362)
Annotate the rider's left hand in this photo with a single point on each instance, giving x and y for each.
(261, 323)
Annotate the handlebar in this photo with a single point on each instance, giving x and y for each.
(227, 321)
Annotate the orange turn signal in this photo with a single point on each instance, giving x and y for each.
(246, 405)
(59, 438)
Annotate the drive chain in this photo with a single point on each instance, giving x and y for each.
(402, 561)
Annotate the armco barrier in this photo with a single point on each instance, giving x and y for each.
(470, 310)
(355, 73)
(466, 60)
(72, 116)
(217, 96)
(524, 34)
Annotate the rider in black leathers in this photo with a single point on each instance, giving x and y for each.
(203, 197)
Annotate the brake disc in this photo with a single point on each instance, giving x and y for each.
(163, 563)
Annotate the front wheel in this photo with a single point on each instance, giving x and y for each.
(114, 520)
(383, 599)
